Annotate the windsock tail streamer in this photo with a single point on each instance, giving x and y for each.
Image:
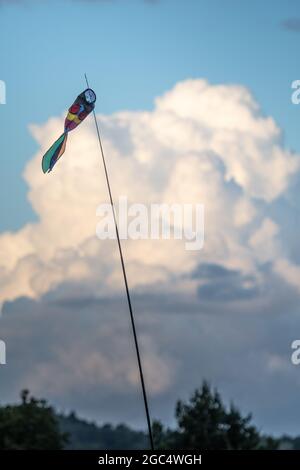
(54, 153)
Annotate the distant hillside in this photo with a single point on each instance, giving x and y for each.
(85, 435)
(289, 443)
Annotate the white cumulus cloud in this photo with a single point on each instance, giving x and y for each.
(201, 143)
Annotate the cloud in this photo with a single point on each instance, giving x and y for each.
(291, 24)
(54, 336)
(79, 354)
(219, 283)
(201, 143)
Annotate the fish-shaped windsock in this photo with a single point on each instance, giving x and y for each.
(80, 109)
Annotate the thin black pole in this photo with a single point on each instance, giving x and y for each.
(126, 283)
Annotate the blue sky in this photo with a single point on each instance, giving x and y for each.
(133, 51)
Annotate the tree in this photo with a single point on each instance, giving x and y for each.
(204, 422)
(30, 425)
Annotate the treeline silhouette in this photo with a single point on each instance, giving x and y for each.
(203, 422)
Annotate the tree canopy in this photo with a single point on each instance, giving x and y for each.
(204, 422)
(30, 425)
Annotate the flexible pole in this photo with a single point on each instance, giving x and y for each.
(126, 282)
